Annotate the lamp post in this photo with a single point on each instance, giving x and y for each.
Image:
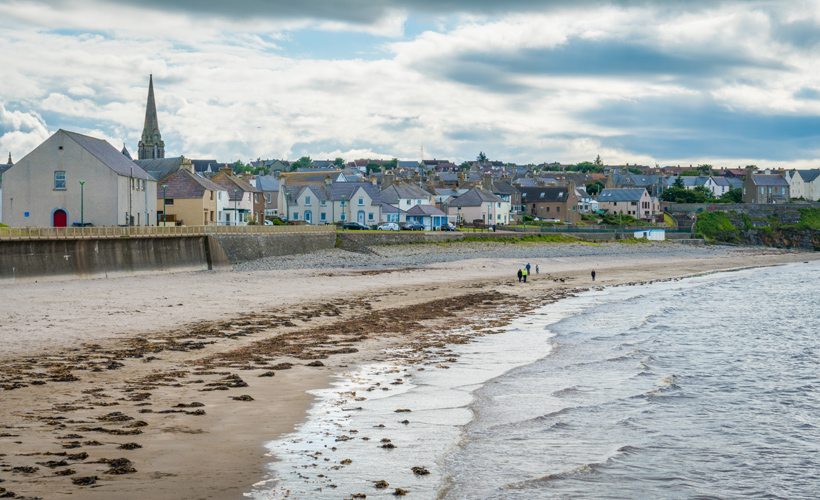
(82, 200)
(287, 207)
(164, 206)
(235, 210)
(343, 211)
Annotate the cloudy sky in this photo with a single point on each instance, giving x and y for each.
(675, 82)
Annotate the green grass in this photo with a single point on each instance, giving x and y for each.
(809, 218)
(632, 241)
(534, 238)
(716, 226)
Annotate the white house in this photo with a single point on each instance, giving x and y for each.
(72, 178)
(805, 183)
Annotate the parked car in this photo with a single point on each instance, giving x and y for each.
(448, 226)
(389, 226)
(354, 225)
(268, 222)
(412, 226)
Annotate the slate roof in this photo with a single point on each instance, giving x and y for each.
(721, 181)
(267, 183)
(109, 156)
(403, 191)
(809, 175)
(448, 177)
(229, 182)
(202, 165)
(612, 195)
(160, 168)
(769, 180)
(299, 177)
(3, 168)
(408, 164)
(186, 184)
(425, 210)
(526, 182)
(504, 187)
(475, 197)
(544, 194)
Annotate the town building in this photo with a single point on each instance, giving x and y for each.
(187, 199)
(71, 179)
(151, 144)
(551, 202)
(635, 202)
(765, 187)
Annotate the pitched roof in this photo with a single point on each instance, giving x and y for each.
(186, 184)
(620, 194)
(424, 210)
(504, 187)
(475, 197)
(160, 168)
(769, 180)
(298, 177)
(544, 194)
(267, 183)
(399, 191)
(231, 182)
(809, 175)
(109, 156)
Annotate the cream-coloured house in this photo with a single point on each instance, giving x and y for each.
(805, 183)
(190, 200)
(479, 205)
(72, 178)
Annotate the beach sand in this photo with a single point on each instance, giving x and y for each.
(89, 365)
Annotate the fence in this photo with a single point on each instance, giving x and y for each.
(34, 233)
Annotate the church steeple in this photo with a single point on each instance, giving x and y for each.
(151, 145)
(10, 162)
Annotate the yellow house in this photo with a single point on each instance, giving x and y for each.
(189, 200)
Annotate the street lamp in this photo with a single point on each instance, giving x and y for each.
(343, 210)
(82, 197)
(164, 206)
(287, 207)
(235, 211)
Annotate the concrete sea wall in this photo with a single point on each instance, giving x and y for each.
(99, 258)
(245, 247)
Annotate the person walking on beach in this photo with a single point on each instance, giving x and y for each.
(536, 269)
(593, 274)
(528, 268)
(519, 275)
(524, 274)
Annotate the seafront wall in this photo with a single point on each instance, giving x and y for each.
(99, 258)
(245, 247)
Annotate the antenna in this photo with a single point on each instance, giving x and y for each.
(421, 154)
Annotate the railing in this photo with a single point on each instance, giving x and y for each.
(23, 233)
(598, 229)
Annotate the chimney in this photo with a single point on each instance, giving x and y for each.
(186, 164)
(487, 183)
(460, 178)
(373, 180)
(767, 172)
(387, 179)
(328, 180)
(226, 170)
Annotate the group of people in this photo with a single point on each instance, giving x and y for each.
(522, 274)
(526, 272)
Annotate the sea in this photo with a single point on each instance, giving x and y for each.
(700, 388)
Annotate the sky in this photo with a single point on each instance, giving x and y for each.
(728, 83)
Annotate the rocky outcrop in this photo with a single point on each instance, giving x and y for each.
(803, 239)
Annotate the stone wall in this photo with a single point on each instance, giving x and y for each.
(99, 258)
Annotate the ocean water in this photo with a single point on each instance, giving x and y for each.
(702, 388)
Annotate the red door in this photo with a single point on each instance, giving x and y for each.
(60, 218)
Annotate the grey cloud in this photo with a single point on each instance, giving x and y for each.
(677, 127)
(369, 11)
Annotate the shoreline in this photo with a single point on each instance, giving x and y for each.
(225, 445)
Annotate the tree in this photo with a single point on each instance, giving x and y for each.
(598, 161)
(465, 166)
(679, 183)
(594, 188)
(339, 162)
(303, 162)
(705, 169)
(732, 196)
(635, 170)
(372, 167)
(390, 165)
(481, 156)
(705, 190)
(680, 195)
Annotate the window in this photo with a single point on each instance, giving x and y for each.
(558, 209)
(498, 205)
(323, 203)
(307, 200)
(219, 196)
(268, 197)
(256, 197)
(212, 196)
(59, 180)
(361, 201)
(370, 216)
(169, 201)
(782, 190)
(212, 213)
(323, 216)
(295, 215)
(418, 202)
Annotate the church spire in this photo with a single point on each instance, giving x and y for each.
(10, 162)
(151, 145)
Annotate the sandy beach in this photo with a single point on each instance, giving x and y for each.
(185, 376)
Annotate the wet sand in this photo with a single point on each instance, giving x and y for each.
(90, 365)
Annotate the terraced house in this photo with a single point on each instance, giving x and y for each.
(329, 202)
(765, 187)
